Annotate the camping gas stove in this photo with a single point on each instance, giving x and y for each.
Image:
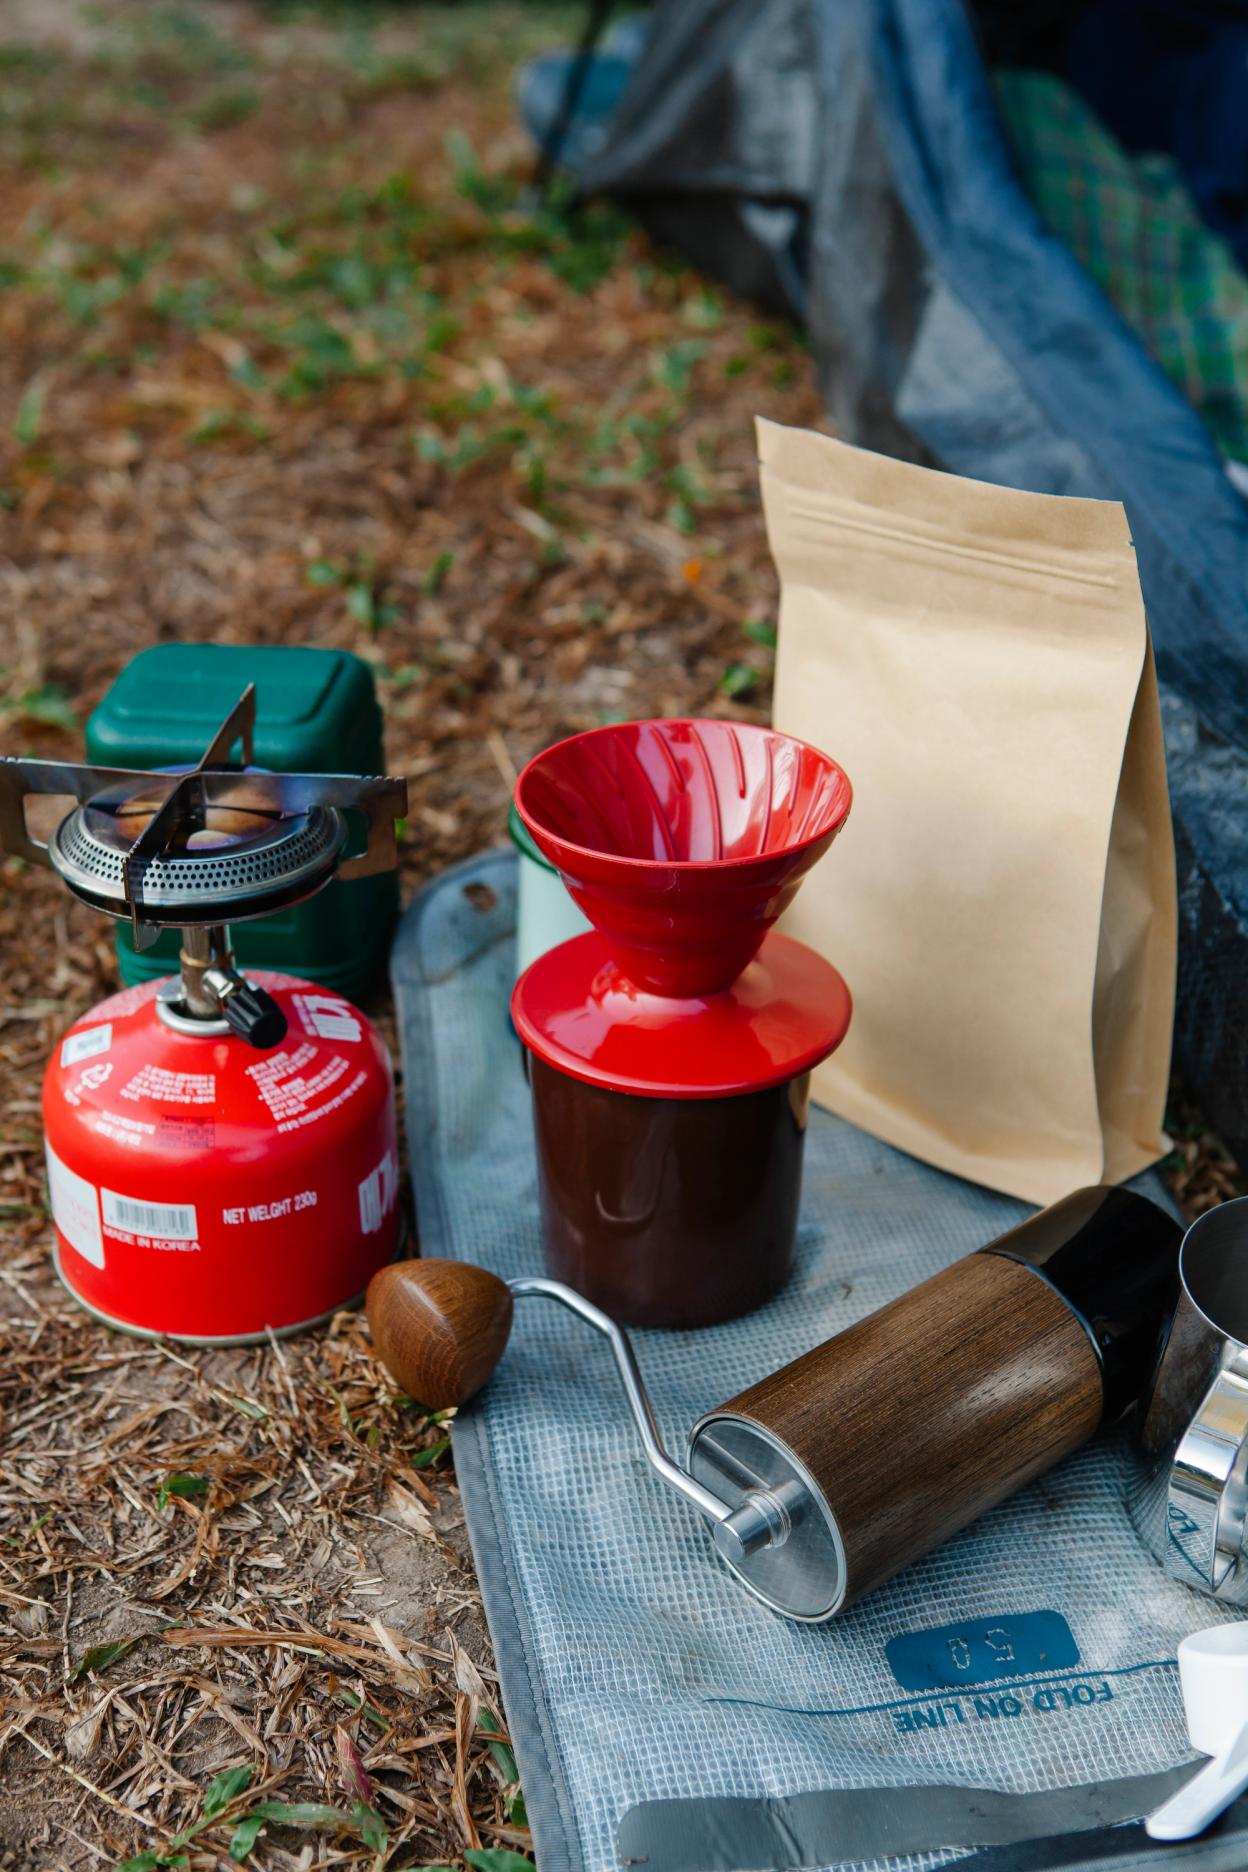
(222, 1152)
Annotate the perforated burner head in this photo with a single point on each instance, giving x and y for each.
(207, 845)
(242, 858)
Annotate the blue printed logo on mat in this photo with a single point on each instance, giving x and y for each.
(1018, 1644)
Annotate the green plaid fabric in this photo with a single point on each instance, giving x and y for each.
(1132, 224)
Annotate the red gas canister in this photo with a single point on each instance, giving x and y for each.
(205, 1189)
(221, 1148)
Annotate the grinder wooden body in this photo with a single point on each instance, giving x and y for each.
(876, 1446)
(946, 1402)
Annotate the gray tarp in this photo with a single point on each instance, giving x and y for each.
(663, 1719)
(845, 159)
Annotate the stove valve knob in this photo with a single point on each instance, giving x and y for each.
(253, 1014)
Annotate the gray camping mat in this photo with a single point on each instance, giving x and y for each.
(634, 1670)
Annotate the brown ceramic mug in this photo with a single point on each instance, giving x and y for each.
(668, 1211)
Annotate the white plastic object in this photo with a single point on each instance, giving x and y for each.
(545, 913)
(1213, 1670)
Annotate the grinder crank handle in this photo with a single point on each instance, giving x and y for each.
(440, 1328)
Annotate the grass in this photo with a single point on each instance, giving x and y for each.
(372, 288)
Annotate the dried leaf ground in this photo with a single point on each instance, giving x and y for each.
(284, 357)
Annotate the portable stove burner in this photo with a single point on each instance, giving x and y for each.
(198, 1190)
(200, 849)
(213, 844)
(243, 858)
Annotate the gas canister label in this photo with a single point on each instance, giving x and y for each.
(163, 1221)
(303, 1086)
(171, 1088)
(377, 1194)
(87, 1042)
(328, 1017)
(75, 1209)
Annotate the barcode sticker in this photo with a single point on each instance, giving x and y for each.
(377, 1194)
(75, 1209)
(165, 1221)
(86, 1042)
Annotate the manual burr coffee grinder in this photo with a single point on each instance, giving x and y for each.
(221, 1149)
(670, 1048)
(821, 1480)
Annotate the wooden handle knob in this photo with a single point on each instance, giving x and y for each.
(439, 1327)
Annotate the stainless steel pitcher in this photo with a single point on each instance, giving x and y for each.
(1191, 1502)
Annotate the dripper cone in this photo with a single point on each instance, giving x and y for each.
(683, 841)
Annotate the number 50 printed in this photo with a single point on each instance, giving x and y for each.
(978, 1651)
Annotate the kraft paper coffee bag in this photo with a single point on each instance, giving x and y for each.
(1002, 901)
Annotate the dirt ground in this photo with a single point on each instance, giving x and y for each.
(287, 356)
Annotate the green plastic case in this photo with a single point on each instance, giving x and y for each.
(316, 712)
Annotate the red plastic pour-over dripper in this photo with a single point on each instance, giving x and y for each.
(683, 841)
(671, 1045)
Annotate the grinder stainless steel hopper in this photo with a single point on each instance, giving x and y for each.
(198, 850)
